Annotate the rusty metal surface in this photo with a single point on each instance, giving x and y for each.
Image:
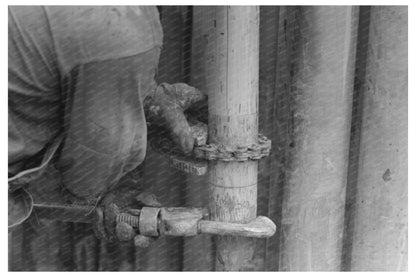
(215, 152)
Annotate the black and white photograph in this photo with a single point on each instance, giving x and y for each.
(197, 138)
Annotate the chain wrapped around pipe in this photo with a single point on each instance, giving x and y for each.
(211, 151)
(220, 153)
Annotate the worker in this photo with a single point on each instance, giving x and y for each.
(81, 84)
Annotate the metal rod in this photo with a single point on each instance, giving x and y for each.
(321, 102)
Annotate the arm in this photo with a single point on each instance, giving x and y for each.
(105, 123)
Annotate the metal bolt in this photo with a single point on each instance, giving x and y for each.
(132, 220)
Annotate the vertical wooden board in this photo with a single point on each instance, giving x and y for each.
(199, 250)
(355, 136)
(85, 248)
(269, 24)
(321, 98)
(15, 240)
(277, 126)
(268, 49)
(46, 246)
(380, 224)
(110, 256)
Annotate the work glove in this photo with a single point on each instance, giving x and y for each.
(122, 200)
(165, 108)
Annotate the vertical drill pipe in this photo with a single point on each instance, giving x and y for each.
(232, 81)
(321, 93)
(379, 236)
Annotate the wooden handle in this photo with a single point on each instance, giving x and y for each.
(261, 227)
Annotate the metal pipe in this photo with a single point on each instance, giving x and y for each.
(232, 83)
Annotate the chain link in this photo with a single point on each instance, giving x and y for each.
(255, 151)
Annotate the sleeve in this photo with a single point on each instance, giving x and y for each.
(105, 123)
(33, 86)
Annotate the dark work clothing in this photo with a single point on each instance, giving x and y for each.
(106, 128)
(82, 72)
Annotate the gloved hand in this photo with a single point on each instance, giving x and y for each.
(127, 197)
(106, 227)
(165, 107)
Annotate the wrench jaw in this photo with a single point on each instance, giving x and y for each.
(181, 221)
(188, 164)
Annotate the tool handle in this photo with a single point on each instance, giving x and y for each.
(260, 227)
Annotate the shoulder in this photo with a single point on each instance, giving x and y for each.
(27, 17)
(28, 25)
(91, 33)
